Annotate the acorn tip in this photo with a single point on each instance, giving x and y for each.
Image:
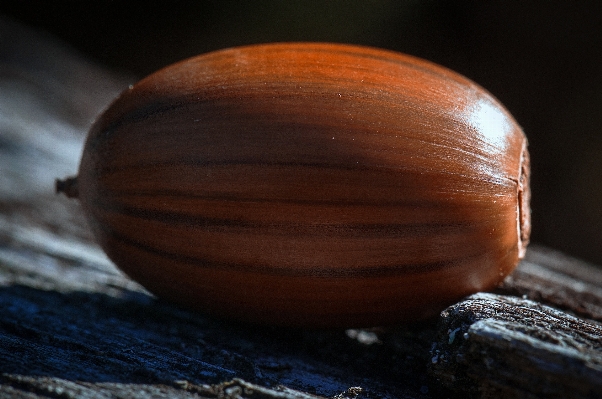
(67, 186)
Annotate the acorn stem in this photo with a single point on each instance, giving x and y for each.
(69, 187)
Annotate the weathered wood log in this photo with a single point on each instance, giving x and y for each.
(71, 325)
(499, 346)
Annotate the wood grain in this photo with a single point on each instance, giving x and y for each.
(537, 351)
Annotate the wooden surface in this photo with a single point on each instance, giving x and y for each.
(71, 325)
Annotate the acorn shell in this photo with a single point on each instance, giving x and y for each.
(308, 185)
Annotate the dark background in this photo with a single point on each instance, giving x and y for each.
(540, 58)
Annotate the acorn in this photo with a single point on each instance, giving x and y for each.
(306, 184)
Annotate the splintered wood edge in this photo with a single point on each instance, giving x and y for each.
(494, 345)
(232, 389)
(553, 278)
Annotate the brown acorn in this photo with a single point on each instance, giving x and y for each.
(302, 184)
